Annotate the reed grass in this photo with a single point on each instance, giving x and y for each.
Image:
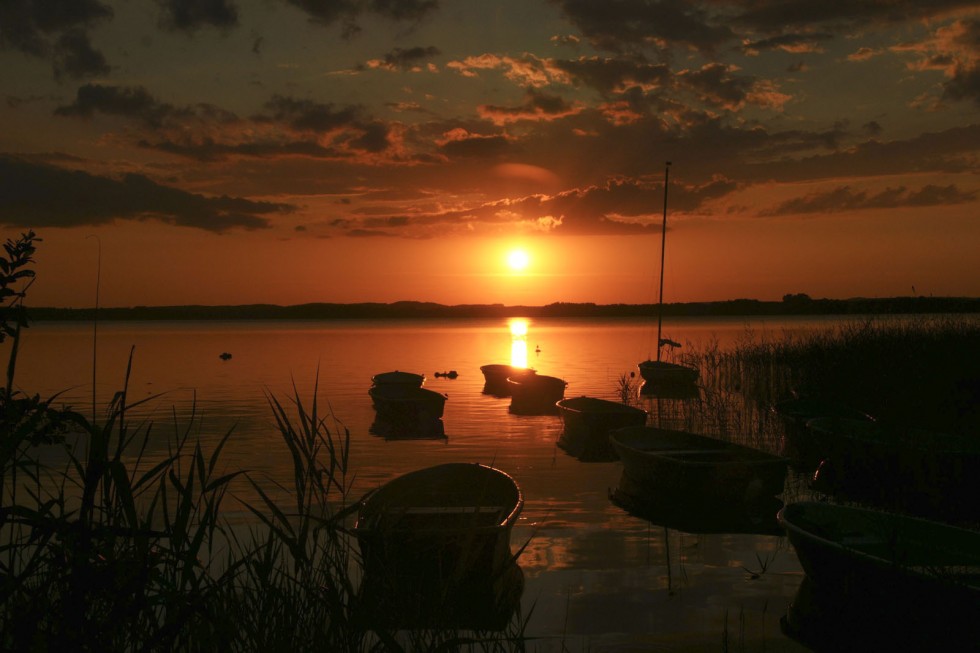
(115, 552)
(920, 372)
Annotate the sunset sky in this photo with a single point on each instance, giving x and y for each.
(293, 151)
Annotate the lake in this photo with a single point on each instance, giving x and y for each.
(597, 577)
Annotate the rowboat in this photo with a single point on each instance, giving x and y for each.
(436, 538)
(913, 574)
(495, 377)
(701, 469)
(399, 378)
(798, 444)
(587, 421)
(660, 373)
(400, 403)
(918, 470)
(535, 394)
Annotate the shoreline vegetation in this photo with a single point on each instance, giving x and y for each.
(797, 304)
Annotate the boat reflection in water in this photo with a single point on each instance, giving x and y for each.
(435, 545)
(822, 622)
(683, 513)
(413, 429)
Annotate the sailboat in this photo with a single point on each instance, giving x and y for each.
(661, 373)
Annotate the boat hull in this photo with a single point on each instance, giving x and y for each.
(662, 373)
(917, 470)
(704, 471)
(400, 404)
(798, 444)
(495, 377)
(916, 573)
(535, 394)
(437, 540)
(399, 378)
(587, 421)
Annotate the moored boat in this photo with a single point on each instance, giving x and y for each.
(587, 421)
(535, 394)
(664, 374)
(919, 574)
(495, 377)
(399, 378)
(804, 451)
(399, 403)
(917, 470)
(704, 470)
(441, 534)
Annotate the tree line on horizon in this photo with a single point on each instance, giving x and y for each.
(791, 304)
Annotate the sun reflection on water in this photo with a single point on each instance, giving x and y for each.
(518, 340)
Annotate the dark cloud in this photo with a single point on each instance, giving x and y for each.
(306, 115)
(190, 15)
(617, 207)
(208, 150)
(840, 16)
(846, 198)
(373, 138)
(488, 147)
(608, 75)
(403, 9)
(625, 25)
(54, 30)
(46, 196)
(346, 12)
(872, 128)
(75, 57)
(130, 102)
(408, 58)
(791, 42)
(965, 85)
(207, 133)
(536, 106)
(715, 85)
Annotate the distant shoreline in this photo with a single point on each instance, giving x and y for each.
(790, 305)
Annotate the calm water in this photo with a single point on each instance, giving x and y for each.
(597, 577)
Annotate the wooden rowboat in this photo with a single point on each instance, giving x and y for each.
(535, 394)
(916, 575)
(399, 403)
(399, 378)
(701, 469)
(495, 377)
(587, 421)
(436, 539)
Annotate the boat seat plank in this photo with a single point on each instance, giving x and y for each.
(450, 510)
(687, 452)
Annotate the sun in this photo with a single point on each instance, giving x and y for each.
(518, 260)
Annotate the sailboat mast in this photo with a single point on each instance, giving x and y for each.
(663, 243)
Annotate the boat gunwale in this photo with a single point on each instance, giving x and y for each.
(756, 456)
(607, 406)
(508, 519)
(932, 571)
